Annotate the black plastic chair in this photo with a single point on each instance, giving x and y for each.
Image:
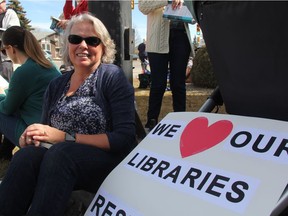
(247, 42)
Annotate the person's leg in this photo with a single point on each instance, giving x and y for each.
(18, 185)
(8, 125)
(179, 54)
(65, 167)
(159, 69)
(6, 149)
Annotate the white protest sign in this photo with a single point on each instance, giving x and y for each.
(196, 163)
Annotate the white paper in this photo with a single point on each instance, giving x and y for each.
(54, 27)
(3, 83)
(182, 14)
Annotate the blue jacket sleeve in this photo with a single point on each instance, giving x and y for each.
(119, 94)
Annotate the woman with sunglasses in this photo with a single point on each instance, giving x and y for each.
(21, 103)
(88, 120)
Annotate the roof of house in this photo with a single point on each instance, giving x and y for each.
(41, 34)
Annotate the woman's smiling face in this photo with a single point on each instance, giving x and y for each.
(82, 54)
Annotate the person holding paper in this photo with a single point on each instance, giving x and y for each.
(8, 16)
(167, 46)
(21, 103)
(89, 120)
(69, 10)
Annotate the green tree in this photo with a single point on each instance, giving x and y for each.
(21, 13)
(202, 71)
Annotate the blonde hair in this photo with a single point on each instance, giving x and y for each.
(101, 31)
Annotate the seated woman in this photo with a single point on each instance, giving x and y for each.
(88, 118)
(21, 103)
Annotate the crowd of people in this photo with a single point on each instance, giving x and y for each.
(87, 114)
(86, 122)
(82, 119)
(73, 129)
(87, 126)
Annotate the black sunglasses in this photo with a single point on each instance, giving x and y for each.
(91, 41)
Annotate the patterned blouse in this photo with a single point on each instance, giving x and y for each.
(80, 113)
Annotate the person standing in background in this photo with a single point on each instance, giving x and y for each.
(69, 10)
(8, 17)
(143, 55)
(168, 46)
(188, 70)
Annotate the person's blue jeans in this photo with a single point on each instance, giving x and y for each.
(44, 179)
(176, 60)
(8, 125)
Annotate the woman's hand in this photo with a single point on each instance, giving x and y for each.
(37, 133)
(62, 24)
(2, 90)
(176, 4)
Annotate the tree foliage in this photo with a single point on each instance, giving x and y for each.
(21, 13)
(202, 71)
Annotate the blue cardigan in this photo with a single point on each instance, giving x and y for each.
(116, 96)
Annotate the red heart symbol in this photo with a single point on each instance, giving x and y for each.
(198, 136)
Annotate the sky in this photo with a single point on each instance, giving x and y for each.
(40, 11)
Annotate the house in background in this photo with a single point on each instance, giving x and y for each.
(49, 41)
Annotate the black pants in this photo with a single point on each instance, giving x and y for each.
(175, 61)
(248, 46)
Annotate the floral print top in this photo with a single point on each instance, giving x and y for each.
(80, 113)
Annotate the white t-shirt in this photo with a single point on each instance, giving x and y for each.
(10, 19)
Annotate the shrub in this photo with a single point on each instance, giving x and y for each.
(202, 73)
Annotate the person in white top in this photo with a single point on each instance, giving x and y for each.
(167, 45)
(8, 17)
